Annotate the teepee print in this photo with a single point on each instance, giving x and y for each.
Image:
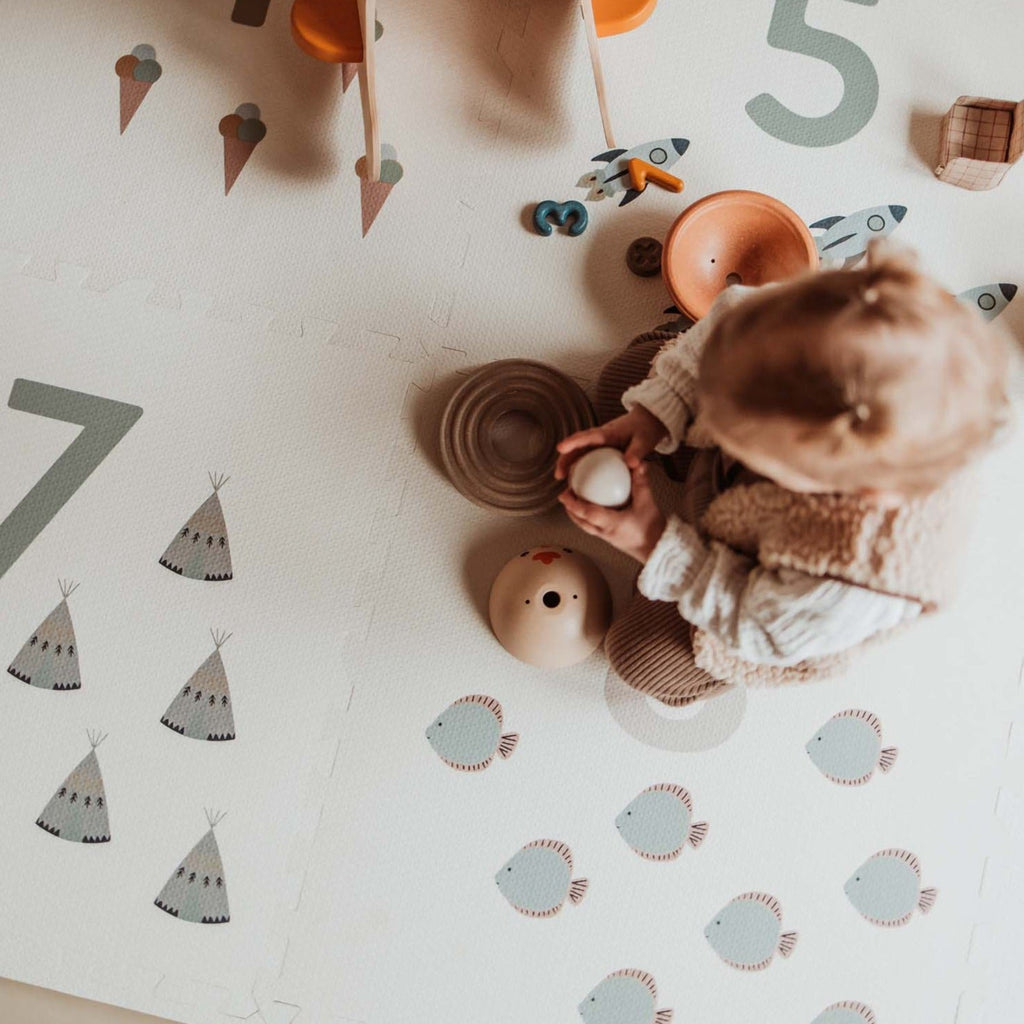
(202, 709)
(78, 810)
(196, 890)
(49, 658)
(200, 549)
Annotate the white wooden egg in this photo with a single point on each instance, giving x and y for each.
(602, 477)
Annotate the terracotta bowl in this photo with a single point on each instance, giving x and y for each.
(735, 237)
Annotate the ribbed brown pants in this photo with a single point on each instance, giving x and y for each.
(650, 646)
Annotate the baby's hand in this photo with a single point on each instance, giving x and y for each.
(634, 530)
(636, 434)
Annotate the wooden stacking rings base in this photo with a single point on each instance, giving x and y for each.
(500, 429)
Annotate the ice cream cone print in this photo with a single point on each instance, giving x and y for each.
(137, 71)
(373, 194)
(242, 131)
(236, 154)
(132, 95)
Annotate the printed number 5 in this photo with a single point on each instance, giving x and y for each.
(104, 423)
(789, 31)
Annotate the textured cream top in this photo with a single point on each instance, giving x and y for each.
(769, 615)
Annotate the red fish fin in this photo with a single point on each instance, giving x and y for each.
(663, 1017)
(698, 832)
(906, 856)
(577, 890)
(866, 1014)
(865, 716)
(887, 758)
(643, 977)
(769, 901)
(786, 943)
(507, 744)
(926, 900)
(676, 791)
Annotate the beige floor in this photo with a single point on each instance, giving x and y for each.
(24, 1004)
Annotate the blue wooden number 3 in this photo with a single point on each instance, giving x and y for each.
(789, 31)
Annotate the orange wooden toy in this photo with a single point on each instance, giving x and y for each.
(342, 32)
(613, 17)
(641, 172)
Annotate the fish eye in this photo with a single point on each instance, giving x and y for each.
(527, 600)
(575, 597)
(508, 869)
(819, 739)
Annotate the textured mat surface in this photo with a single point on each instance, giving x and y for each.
(195, 295)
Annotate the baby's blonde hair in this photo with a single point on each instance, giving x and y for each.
(892, 383)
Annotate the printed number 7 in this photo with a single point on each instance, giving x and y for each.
(104, 423)
(789, 31)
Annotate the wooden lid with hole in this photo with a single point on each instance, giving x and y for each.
(500, 429)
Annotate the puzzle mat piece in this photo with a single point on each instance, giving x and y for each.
(147, 487)
(427, 863)
(998, 934)
(97, 311)
(236, 249)
(586, 312)
(224, 255)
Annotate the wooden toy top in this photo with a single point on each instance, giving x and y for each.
(328, 30)
(614, 17)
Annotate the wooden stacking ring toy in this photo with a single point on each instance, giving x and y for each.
(500, 429)
(732, 237)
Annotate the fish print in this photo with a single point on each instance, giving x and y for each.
(625, 997)
(989, 299)
(659, 823)
(614, 176)
(846, 1012)
(846, 238)
(538, 879)
(848, 748)
(886, 888)
(747, 932)
(467, 734)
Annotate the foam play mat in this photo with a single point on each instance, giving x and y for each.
(263, 759)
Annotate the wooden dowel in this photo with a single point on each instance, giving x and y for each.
(595, 63)
(368, 87)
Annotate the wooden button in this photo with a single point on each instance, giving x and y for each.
(643, 257)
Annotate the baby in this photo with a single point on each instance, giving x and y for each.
(822, 430)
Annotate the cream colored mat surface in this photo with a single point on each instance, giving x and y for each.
(264, 338)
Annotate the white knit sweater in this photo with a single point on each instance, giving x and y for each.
(766, 616)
